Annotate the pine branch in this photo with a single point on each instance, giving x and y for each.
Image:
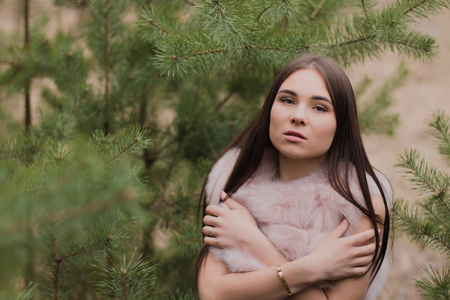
(316, 10)
(189, 60)
(187, 240)
(440, 129)
(106, 65)
(258, 18)
(426, 177)
(59, 260)
(104, 246)
(56, 270)
(373, 112)
(184, 293)
(153, 23)
(27, 86)
(421, 230)
(69, 68)
(224, 101)
(122, 91)
(129, 143)
(415, 45)
(360, 39)
(423, 8)
(69, 213)
(366, 14)
(228, 21)
(137, 140)
(362, 86)
(19, 154)
(413, 7)
(437, 284)
(133, 280)
(437, 213)
(124, 283)
(146, 88)
(246, 47)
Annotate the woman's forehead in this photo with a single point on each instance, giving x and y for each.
(305, 81)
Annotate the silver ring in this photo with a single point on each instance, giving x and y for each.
(210, 233)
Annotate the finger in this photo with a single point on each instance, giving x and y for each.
(362, 238)
(363, 261)
(209, 231)
(234, 205)
(359, 271)
(213, 210)
(339, 230)
(368, 249)
(211, 241)
(211, 220)
(224, 196)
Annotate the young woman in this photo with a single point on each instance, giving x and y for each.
(294, 208)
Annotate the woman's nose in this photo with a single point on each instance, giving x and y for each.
(299, 117)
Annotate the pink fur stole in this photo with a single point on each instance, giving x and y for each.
(294, 215)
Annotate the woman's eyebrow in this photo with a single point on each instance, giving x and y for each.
(313, 97)
(288, 92)
(322, 98)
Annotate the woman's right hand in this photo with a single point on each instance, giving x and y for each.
(341, 257)
(235, 227)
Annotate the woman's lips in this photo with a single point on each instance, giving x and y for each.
(294, 136)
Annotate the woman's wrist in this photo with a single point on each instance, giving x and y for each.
(262, 249)
(300, 274)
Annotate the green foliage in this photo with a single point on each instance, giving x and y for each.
(238, 33)
(437, 285)
(440, 129)
(184, 293)
(71, 206)
(428, 221)
(372, 112)
(134, 280)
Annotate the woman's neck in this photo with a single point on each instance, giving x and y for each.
(291, 169)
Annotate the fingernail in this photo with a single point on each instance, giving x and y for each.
(379, 230)
(345, 221)
(223, 195)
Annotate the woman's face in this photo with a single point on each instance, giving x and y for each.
(302, 119)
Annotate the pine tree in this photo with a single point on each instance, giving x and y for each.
(97, 206)
(428, 220)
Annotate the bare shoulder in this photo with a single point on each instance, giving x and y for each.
(378, 205)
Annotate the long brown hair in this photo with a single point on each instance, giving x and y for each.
(345, 156)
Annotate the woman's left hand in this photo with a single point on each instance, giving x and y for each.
(233, 228)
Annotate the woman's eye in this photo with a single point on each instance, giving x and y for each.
(287, 100)
(320, 108)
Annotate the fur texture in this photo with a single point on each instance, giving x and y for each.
(294, 215)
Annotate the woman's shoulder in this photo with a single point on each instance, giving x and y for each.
(375, 193)
(385, 186)
(219, 174)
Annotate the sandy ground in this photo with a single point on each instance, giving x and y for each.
(424, 93)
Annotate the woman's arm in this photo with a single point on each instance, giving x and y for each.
(356, 287)
(332, 259)
(331, 262)
(236, 228)
(214, 281)
(259, 246)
